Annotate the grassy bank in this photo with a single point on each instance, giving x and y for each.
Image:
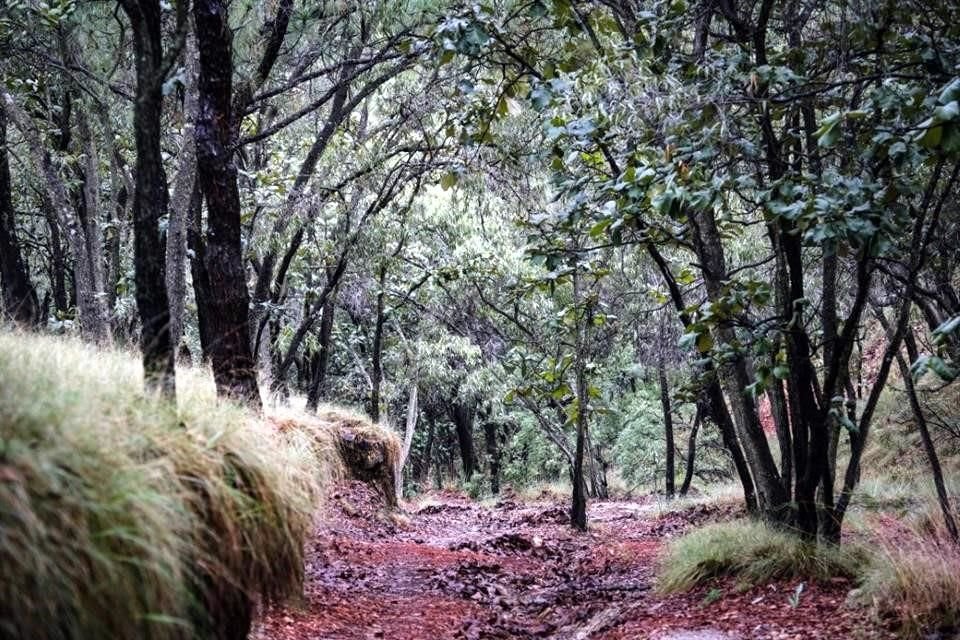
(123, 517)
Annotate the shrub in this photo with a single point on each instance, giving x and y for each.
(124, 517)
(752, 552)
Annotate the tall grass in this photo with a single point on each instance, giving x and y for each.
(913, 580)
(124, 517)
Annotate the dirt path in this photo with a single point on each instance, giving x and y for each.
(456, 569)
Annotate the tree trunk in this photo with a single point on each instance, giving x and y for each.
(670, 477)
(183, 186)
(493, 454)
(691, 453)
(736, 380)
(376, 362)
(20, 300)
(413, 411)
(150, 198)
(462, 416)
(225, 301)
(578, 507)
(318, 377)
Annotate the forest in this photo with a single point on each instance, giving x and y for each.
(342, 319)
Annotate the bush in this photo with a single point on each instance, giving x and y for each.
(123, 517)
(754, 553)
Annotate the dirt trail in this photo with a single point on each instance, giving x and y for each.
(456, 569)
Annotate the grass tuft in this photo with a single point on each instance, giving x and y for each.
(913, 582)
(123, 517)
(752, 552)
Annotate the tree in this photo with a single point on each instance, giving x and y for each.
(222, 289)
(150, 196)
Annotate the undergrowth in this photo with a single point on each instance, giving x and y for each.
(123, 517)
(752, 552)
(913, 580)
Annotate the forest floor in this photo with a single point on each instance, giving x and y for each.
(455, 568)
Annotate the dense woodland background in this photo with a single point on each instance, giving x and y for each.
(604, 243)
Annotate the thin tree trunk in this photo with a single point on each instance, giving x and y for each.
(376, 357)
(318, 378)
(691, 453)
(462, 416)
(226, 301)
(150, 199)
(493, 454)
(578, 507)
(413, 411)
(670, 477)
(734, 377)
(943, 498)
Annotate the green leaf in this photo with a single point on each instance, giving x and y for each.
(704, 342)
(448, 181)
(829, 132)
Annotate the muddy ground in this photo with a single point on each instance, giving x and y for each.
(453, 568)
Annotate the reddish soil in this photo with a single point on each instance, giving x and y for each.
(455, 569)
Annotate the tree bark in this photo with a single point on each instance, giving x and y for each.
(226, 301)
(462, 416)
(150, 198)
(691, 453)
(736, 380)
(670, 477)
(413, 412)
(578, 507)
(179, 212)
(318, 377)
(377, 349)
(20, 300)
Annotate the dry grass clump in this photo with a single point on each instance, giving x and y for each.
(121, 517)
(753, 553)
(913, 581)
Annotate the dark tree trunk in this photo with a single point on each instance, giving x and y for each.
(59, 270)
(493, 454)
(376, 375)
(150, 198)
(670, 477)
(462, 416)
(318, 378)
(578, 507)
(226, 301)
(20, 300)
(691, 453)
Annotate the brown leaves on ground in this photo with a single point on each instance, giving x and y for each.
(456, 569)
